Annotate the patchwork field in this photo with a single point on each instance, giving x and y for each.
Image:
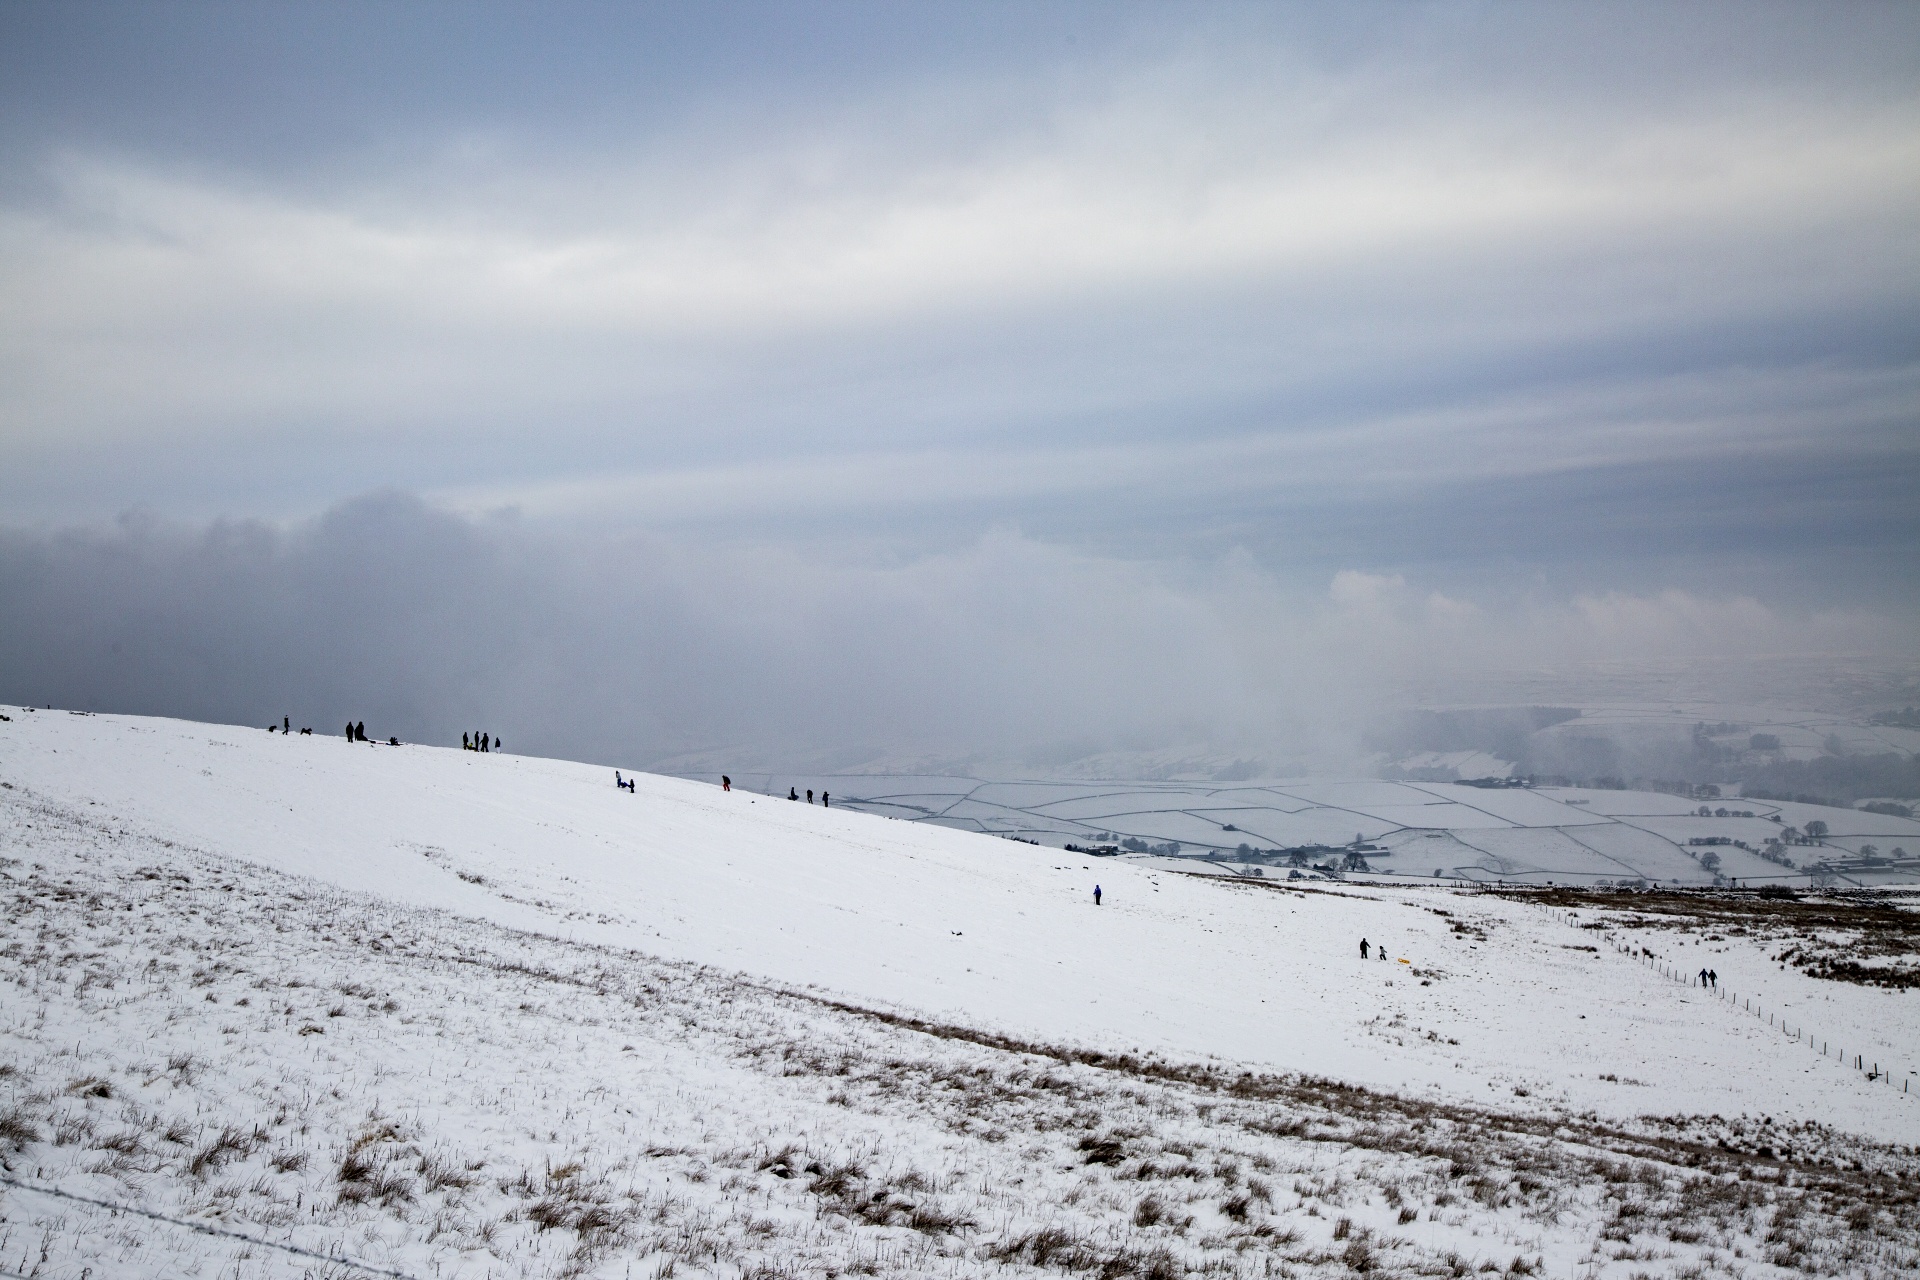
(1517, 835)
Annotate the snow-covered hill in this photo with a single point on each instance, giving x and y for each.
(521, 867)
(962, 926)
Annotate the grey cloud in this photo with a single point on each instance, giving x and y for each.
(885, 377)
(638, 648)
(1253, 225)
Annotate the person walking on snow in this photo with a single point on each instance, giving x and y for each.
(809, 795)
(1363, 948)
(1096, 895)
(1713, 979)
(726, 783)
(1703, 977)
(824, 797)
(286, 724)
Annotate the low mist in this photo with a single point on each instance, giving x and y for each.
(1008, 654)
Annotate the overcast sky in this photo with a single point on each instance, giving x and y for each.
(963, 375)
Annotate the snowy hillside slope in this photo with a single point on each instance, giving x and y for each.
(1499, 1003)
(210, 1068)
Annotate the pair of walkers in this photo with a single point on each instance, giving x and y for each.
(1710, 978)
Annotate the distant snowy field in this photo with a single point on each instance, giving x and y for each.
(475, 985)
(1415, 830)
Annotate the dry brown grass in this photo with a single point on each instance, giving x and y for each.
(1867, 938)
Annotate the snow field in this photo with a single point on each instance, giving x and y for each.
(215, 1042)
(1532, 835)
(1496, 1006)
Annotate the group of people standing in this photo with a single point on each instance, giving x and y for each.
(793, 793)
(357, 732)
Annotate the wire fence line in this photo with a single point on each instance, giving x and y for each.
(334, 1259)
(1746, 1004)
